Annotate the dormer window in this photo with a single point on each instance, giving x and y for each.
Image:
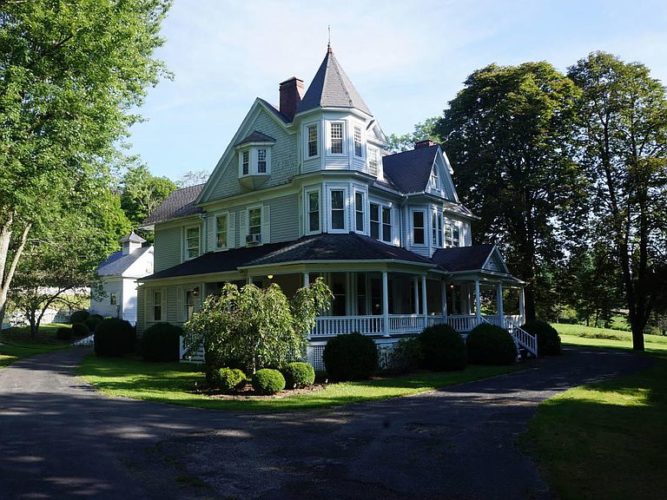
(245, 162)
(337, 131)
(261, 161)
(254, 159)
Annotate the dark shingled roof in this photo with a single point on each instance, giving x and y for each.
(410, 170)
(343, 247)
(178, 204)
(331, 87)
(256, 136)
(275, 110)
(321, 247)
(462, 258)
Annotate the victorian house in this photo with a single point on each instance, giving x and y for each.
(308, 189)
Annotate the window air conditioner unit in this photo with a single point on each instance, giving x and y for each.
(253, 239)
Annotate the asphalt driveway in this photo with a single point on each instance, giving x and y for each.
(61, 439)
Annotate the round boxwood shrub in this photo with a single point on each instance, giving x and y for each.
(350, 356)
(268, 381)
(114, 337)
(160, 342)
(80, 330)
(491, 345)
(443, 348)
(92, 321)
(229, 379)
(79, 316)
(64, 333)
(298, 374)
(548, 340)
(406, 356)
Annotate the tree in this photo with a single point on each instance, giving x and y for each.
(423, 131)
(506, 134)
(143, 192)
(255, 327)
(63, 255)
(192, 178)
(70, 74)
(623, 141)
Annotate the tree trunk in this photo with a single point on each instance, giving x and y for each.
(8, 267)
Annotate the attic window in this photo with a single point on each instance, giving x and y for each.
(255, 160)
(434, 181)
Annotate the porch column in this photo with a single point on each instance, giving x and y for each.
(306, 279)
(385, 302)
(443, 298)
(249, 280)
(424, 300)
(478, 301)
(522, 304)
(416, 294)
(499, 305)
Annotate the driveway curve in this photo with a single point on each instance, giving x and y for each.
(59, 438)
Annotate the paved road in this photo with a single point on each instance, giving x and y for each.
(60, 439)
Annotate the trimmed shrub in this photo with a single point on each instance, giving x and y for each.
(491, 345)
(406, 356)
(80, 330)
(443, 348)
(268, 381)
(298, 375)
(92, 321)
(114, 337)
(548, 340)
(64, 333)
(230, 379)
(79, 316)
(350, 357)
(160, 342)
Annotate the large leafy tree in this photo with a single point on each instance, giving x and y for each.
(623, 139)
(397, 143)
(142, 192)
(507, 133)
(71, 72)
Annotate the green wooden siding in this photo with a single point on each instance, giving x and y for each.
(167, 247)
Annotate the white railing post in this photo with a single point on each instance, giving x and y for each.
(443, 298)
(522, 304)
(385, 302)
(424, 300)
(499, 305)
(306, 280)
(478, 303)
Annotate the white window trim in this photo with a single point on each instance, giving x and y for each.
(382, 205)
(365, 211)
(261, 219)
(362, 139)
(306, 140)
(425, 228)
(346, 207)
(306, 204)
(253, 165)
(185, 242)
(150, 312)
(217, 230)
(344, 139)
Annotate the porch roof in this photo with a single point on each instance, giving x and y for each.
(318, 248)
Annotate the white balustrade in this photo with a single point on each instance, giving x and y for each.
(329, 326)
(463, 323)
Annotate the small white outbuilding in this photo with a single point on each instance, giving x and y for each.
(119, 274)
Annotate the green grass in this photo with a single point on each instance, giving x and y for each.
(16, 343)
(173, 383)
(606, 440)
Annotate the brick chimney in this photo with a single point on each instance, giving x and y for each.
(426, 143)
(291, 93)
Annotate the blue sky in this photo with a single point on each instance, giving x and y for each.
(407, 59)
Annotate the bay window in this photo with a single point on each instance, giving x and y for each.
(312, 146)
(380, 217)
(313, 209)
(337, 209)
(418, 226)
(337, 130)
(359, 211)
(358, 149)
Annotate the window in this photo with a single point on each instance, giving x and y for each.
(261, 161)
(191, 242)
(245, 162)
(380, 221)
(359, 211)
(439, 230)
(221, 231)
(451, 233)
(313, 201)
(189, 304)
(358, 151)
(433, 180)
(337, 138)
(255, 221)
(157, 305)
(373, 161)
(337, 209)
(113, 299)
(418, 227)
(434, 223)
(312, 141)
(338, 286)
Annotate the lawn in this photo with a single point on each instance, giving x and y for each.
(16, 343)
(606, 440)
(173, 383)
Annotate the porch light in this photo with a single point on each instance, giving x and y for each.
(195, 292)
(270, 276)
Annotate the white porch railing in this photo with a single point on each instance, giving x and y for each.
(463, 323)
(329, 326)
(406, 323)
(525, 339)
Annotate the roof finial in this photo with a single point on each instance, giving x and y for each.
(329, 42)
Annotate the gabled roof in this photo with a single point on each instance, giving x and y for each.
(178, 204)
(255, 136)
(331, 87)
(274, 110)
(410, 170)
(117, 263)
(459, 259)
(132, 238)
